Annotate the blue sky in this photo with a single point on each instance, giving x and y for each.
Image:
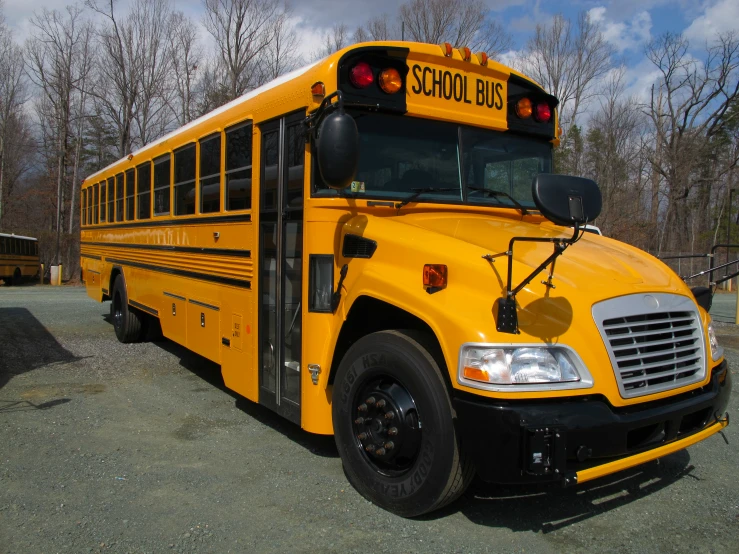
(626, 24)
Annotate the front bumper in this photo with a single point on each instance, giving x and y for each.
(582, 438)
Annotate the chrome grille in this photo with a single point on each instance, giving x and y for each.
(655, 342)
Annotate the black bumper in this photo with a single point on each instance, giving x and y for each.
(539, 441)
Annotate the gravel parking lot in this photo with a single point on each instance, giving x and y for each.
(140, 448)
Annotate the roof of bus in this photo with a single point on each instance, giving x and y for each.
(17, 236)
(431, 49)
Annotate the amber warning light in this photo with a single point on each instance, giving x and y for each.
(435, 276)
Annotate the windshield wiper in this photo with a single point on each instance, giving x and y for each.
(497, 193)
(419, 192)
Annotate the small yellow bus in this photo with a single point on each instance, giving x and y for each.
(375, 247)
(19, 258)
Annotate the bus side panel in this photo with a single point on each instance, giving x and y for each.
(237, 359)
(91, 277)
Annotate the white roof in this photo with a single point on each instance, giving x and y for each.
(238, 101)
(17, 236)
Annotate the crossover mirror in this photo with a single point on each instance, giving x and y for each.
(337, 148)
(566, 200)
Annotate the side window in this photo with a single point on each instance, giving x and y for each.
(83, 207)
(210, 174)
(184, 181)
(119, 197)
(270, 157)
(95, 202)
(129, 194)
(144, 188)
(238, 167)
(2, 245)
(89, 205)
(103, 210)
(295, 158)
(161, 184)
(111, 200)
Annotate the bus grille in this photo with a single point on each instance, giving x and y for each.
(658, 346)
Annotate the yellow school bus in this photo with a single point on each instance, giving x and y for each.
(375, 247)
(19, 258)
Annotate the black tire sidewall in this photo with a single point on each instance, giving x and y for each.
(119, 288)
(419, 489)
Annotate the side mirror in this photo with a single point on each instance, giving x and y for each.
(337, 149)
(566, 200)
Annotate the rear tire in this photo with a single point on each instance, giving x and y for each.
(17, 277)
(126, 320)
(393, 426)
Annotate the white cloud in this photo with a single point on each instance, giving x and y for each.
(623, 35)
(718, 17)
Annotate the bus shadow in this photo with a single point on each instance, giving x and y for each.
(210, 372)
(550, 508)
(25, 345)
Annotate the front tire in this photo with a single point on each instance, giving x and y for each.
(126, 321)
(394, 428)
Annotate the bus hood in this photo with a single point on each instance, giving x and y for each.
(596, 265)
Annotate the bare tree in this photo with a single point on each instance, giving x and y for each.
(150, 21)
(377, 28)
(186, 56)
(460, 24)
(13, 124)
(282, 55)
(567, 60)
(690, 110)
(117, 88)
(53, 57)
(243, 31)
(333, 40)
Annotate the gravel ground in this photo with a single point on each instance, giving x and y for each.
(140, 448)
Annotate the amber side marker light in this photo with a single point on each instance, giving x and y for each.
(483, 57)
(318, 89)
(435, 276)
(524, 108)
(390, 80)
(475, 373)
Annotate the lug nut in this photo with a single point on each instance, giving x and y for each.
(369, 447)
(389, 415)
(359, 420)
(392, 431)
(381, 404)
(370, 400)
(380, 451)
(390, 445)
(362, 436)
(362, 407)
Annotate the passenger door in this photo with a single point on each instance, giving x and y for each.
(280, 264)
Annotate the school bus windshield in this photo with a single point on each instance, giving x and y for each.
(401, 155)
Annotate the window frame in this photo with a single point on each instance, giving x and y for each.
(227, 172)
(199, 179)
(173, 170)
(164, 158)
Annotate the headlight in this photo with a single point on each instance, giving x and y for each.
(522, 367)
(716, 350)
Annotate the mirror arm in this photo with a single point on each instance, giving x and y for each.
(507, 317)
(313, 121)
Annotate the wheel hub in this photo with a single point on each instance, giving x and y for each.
(386, 425)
